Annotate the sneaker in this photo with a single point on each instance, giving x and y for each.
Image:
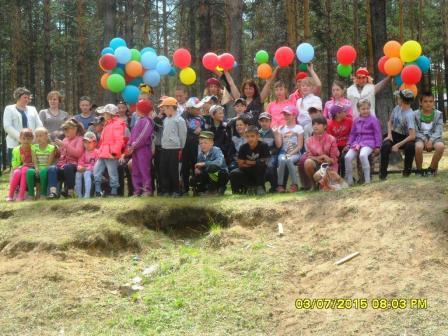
(53, 195)
(251, 190)
(147, 194)
(260, 191)
(9, 199)
(293, 188)
(100, 194)
(420, 172)
(406, 173)
(430, 172)
(280, 189)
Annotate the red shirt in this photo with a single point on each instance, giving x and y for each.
(340, 130)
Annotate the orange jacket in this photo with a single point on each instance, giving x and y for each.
(112, 139)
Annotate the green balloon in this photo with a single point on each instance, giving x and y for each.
(303, 67)
(118, 71)
(261, 57)
(135, 55)
(344, 70)
(116, 83)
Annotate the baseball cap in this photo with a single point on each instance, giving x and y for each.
(207, 135)
(406, 93)
(315, 105)
(362, 72)
(301, 75)
(265, 115)
(335, 109)
(215, 108)
(109, 108)
(97, 120)
(168, 101)
(240, 101)
(144, 106)
(212, 81)
(89, 136)
(207, 99)
(288, 109)
(193, 102)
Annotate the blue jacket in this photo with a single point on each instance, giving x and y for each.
(214, 159)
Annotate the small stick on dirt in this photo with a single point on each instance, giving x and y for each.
(280, 229)
(347, 258)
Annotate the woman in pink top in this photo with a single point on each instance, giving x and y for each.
(338, 98)
(276, 107)
(70, 150)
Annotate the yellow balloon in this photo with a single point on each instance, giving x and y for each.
(219, 69)
(410, 51)
(187, 76)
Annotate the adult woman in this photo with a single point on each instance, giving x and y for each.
(53, 117)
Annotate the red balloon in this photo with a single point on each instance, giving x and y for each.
(210, 61)
(346, 55)
(411, 74)
(182, 58)
(381, 62)
(284, 56)
(108, 62)
(226, 61)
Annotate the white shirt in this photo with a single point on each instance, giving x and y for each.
(303, 104)
(12, 123)
(367, 92)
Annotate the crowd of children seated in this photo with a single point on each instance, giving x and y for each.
(183, 145)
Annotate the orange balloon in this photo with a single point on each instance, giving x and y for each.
(392, 49)
(411, 87)
(104, 78)
(264, 71)
(134, 69)
(393, 66)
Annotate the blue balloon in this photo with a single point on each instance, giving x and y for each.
(151, 77)
(107, 50)
(149, 60)
(117, 42)
(172, 72)
(423, 63)
(398, 81)
(305, 52)
(148, 49)
(130, 94)
(163, 67)
(274, 62)
(235, 64)
(123, 55)
(163, 58)
(137, 81)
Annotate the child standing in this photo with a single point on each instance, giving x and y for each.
(85, 165)
(338, 98)
(140, 145)
(21, 161)
(290, 138)
(365, 137)
(86, 116)
(43, 157)
(110, 149)
(237, 139)
(307, 87)
(268, 137)
(275, 108)
(173, 140)
(219, 128)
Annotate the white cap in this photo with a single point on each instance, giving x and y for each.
(109, 108)
(194, 102)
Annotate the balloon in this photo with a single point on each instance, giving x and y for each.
(226, 61)
(398, 80)
(393, 66)
(103, 81)
(182, 58)
(411, 74)
(284, 56)
(130, 94)
(261, 57)
(163, 67)
(411, 87)
(187, 76)
(235, 64)
(116, 83)
(107, 50)
(123, 55)
(137, 81)
(346, 55)
(410, 51)
(118, 71)
(108, 62)
(344, 70)
(303, 67)
(151, 77)
(423, 63)
(392, 49)
(172, 72)
(135, 55)
(210, 61)
(381, 62)
(134, 69)
(274, 62)
(162, 58)
(264, 71)
(148, 49)
(305, 53)
(117, 42)
(149, 60)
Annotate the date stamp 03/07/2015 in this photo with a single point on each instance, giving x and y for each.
(361, 303)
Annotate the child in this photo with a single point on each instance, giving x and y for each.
(140, 145)
(43, 156)
(339, 126)
(429, 126)
(275, 108)
(110, 149)
(236, 140)
(210, 173)
(290, 138)
(268, 137)
(123, 112)
(252, 159)
(219, 128)
(181, 95)
(86, 116)
(338, 98)
(21, 161)
(321, 149)
(70, 150)
(365, 137)
(85, 165)
(400, 134)
(195, 124)
(173, 140)
(307, 87)
(96, 126)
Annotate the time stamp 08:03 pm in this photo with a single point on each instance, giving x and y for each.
(361, 303)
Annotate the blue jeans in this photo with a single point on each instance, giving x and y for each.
(289, 163)
(66, 174)
(87, 183)
(112, 169)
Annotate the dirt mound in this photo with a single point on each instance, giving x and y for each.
(5, 214)
(108, 242)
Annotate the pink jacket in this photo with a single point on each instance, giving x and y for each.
(112, 139)
(71, 151)
(88, 159)
(325, 144)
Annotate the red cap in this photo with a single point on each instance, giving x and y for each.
(362, 72)
(212, 81)
(301, 75)
(144, 106)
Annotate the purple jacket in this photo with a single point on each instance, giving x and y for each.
(366, 132)
(141, 134)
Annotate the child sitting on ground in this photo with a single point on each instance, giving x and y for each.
(85, 166)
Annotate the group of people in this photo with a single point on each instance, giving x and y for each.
(183, 144)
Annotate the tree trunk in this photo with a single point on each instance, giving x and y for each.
(165, 40)
(108, 11)
(81, 37)
(329, 48)
(440, 95)
(306, 20)
(400, 20)
(370, 57)
(234, 10)
(356, 30)
(419, 21)
(384, 100)
(205, 35)
(291, 13)
(192, 12)
(47, 39)
(445, 46)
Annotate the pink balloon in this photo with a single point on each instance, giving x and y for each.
(284, 56)
(210, 61)
(182, 58)
(226, 61)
